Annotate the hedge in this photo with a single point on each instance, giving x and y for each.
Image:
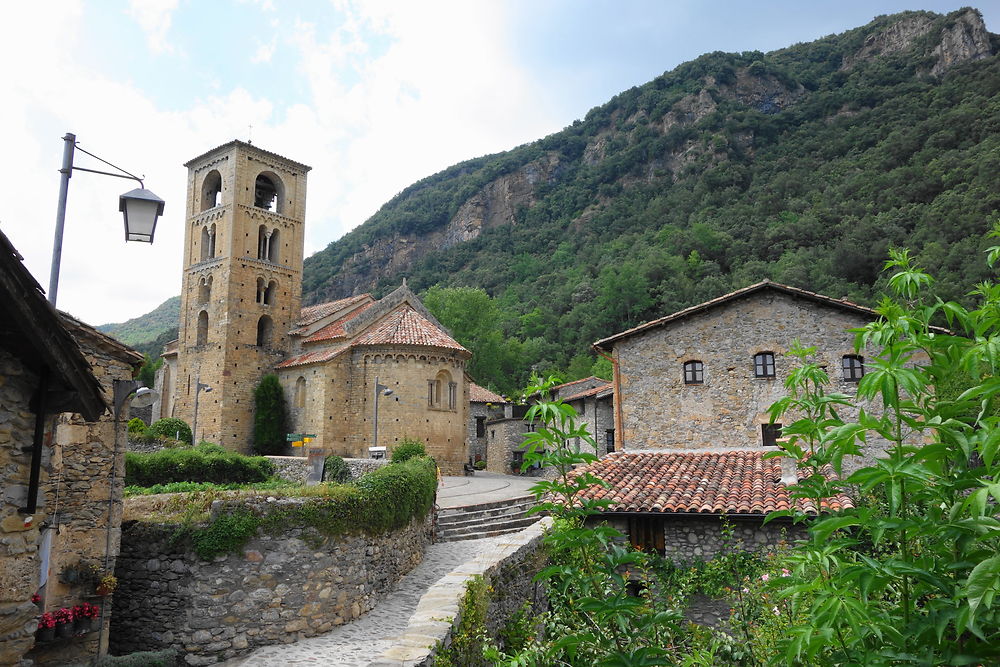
(407, 449)
(198, 464)
(171, 427)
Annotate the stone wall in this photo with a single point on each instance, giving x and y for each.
(296, 468)
(503, 438)
(276, 589)
(19, 534)
(508, 569)
(729, 407)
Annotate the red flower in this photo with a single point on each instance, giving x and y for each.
(64, 615)
(46, 621)
(36, 598)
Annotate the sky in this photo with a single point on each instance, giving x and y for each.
(373, 95)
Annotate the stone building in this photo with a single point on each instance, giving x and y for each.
(484, 406)
(241, 318)
(692, 392)
(61, 475)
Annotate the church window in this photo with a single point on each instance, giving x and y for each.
(205, 289)
(452, 395)
(694, 372)
(262, 239)
(763, 365)
(211, 190)
(300, 392)
(265, 192)
(264, 329)
(272, 287)
(436, 389)
(853, 367)
(272, 246)
(202, 334)
(260, 290)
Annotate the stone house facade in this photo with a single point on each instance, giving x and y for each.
(241, 318)
(60, 503)
(484, 406)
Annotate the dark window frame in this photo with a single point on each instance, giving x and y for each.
(852, 367)
(769, 434)
(694, 372)
(764, 365)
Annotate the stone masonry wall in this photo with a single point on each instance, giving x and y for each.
(19, 558)
(296, 468)
(276, 589)
(660, 411)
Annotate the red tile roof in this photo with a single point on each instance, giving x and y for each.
(312, 314)
(405, 326)
(586, 393)
(316, 356)
(336, 328)
(736, 482)
(479, 394)
(562, 386)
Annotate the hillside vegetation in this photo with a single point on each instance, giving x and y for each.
(802, 165)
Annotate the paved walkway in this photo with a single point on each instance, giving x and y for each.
(357, 643)
(483, 487)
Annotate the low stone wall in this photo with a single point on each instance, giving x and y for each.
(296, 468)
(685, 539)
(509, 570)
(276, 589)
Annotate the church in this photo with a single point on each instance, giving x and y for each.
(357, 373)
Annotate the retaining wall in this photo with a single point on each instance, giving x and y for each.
(276, 589)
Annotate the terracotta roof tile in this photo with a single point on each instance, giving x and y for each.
(592, 378)
(336, 328)
(586, 393)
(316, 356)
(736, 482)
(479, 394)
(312, 314)
(405, 326)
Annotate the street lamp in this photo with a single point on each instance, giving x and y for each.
(140, 207)
(198, 388)
(380, 390)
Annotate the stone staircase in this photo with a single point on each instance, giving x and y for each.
(472, 522)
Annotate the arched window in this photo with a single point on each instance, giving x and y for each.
(211, 241)
(262, 238)
(205, 290)
(853, 366)
(442, 389)
(300, 392)
(202, 335)
(694, 372)
(261, 289)
(272, 287)
(264, 329)
(763, 365)
(211, 190)
(205, 244)
(273, 246)
(267, 192)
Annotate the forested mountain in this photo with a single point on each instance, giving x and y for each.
(148, 333)
(801, 165)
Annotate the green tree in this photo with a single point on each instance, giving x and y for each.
(147, 372)
(269, 418)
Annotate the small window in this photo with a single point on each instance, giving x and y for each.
(769, 434)
(300, 392)
(694, 372)
(763, 364)
(201, 336)
(853, 367)
(452, 395)
(264, 328)
(609, 439)
(647, 534)
(480, 427)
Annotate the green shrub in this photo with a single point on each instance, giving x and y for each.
(165, 658)
(335, 469)
(407, 449)
(171, 427)
(269, 417)
(136, 425)
(479, 465)
(396, 493)
(188, 487)
(227, 533)
(206, 447)
(195, 465)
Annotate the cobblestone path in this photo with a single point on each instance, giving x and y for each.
(358, 643)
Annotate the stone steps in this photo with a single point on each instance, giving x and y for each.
(472, 522)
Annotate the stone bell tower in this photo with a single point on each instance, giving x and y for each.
(242, 284)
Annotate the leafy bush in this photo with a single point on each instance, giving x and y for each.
(228, 532)
(136, 425)
(189, 487)
(172, 427)
(408, 449)
(335, 469)
(269, 417)
(199, 464)
(396, 493)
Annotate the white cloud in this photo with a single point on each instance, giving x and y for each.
(154, 17)
(264, 52)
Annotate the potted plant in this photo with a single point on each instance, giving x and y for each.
(83, 617)
(107, 584)
(64, 622)
(46, 628)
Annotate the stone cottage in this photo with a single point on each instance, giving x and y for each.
(484, 406)
(241, 317)
(692, 392)
(62, 477)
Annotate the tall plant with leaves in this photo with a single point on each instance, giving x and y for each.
(593, 620)
(269, 417)
(908, 576)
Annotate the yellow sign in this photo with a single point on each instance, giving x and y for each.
(307, 439)
(297, 443)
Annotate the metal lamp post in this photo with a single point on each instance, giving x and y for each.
(140, 207)
(198, 388)
(380, 390)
